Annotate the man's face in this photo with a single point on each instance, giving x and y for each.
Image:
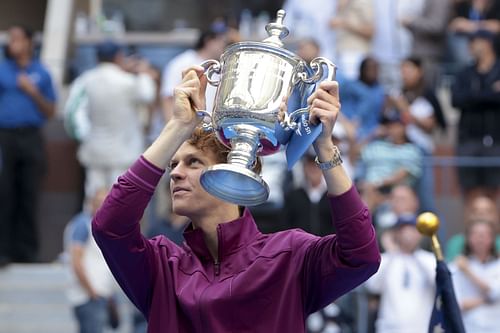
(19, 44)
(188, 196)
(478, 46)
(408, 238)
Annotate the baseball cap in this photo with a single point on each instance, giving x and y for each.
(107, 50)
(405, 219)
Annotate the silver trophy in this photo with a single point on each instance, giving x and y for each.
(253, 79)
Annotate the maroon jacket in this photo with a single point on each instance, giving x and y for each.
(263, 283)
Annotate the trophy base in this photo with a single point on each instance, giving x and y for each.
(235, 184)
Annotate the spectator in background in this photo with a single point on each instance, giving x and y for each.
(470, 17)
(306, 207)
(210, 45)
(476, 279)
(110, 95)
(310, 19)
(363, 100)
(392, 41)
(402, 201)
(27, 100)
(481, 208)
(405, 283)
(92, 286)
(422, 114)
(354, 26)
(429, 31)
(476, 93)
(389, 161)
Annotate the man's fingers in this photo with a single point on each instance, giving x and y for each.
(194, 70)
(332, 87)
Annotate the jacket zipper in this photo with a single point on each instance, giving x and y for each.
(217, 268)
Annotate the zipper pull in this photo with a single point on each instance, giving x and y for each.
(217, 268)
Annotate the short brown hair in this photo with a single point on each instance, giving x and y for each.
(207, 141)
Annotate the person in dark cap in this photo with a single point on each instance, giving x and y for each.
(405, 282)
(110, 132)
(108, 51)
(476, 93)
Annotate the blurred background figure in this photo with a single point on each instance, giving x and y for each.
(476, 94)
(402, 201)
(476, 279)
(306, 207)
(209, 45)
(404, 282)
(92, 287)
(428, 31)
(310, 19)
(354, 27)
(110, 95)
(422, 114)
(363, 100)
(388, 161)
(469, 17)
(480, 208)
(393, 41)
(27, 100)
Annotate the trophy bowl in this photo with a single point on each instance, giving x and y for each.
(253, 79)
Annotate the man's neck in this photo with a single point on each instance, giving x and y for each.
(23, 61)
(209, 222)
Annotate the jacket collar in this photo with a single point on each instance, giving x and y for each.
(231, 236)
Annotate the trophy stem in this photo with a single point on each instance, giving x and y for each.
(244, 146)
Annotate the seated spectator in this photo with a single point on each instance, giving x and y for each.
(476, 279)
(389, 161)
(479, 209)
(363, 99)
(423, 115)
(401, 202)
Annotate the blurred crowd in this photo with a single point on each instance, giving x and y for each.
(393, 58)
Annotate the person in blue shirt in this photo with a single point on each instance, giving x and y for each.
(363, 100)
(27, 100)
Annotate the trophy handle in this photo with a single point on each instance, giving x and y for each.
(211, 67)
(290, 121)
(317, 65)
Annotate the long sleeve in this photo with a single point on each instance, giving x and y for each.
(335, 264)
(116, 230)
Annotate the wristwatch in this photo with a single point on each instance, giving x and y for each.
(336, 160)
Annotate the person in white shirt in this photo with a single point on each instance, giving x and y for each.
(310, 19)
(112, 135)
(405, 282)
(210, 45)
(476, 279)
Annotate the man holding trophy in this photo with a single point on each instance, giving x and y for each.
(227, 276)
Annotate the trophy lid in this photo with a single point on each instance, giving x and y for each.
(276, 30)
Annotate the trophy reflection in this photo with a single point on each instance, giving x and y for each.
(253, 78)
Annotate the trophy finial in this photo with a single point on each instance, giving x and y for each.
(276, 30)
(428, 225)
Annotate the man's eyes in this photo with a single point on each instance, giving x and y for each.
(193, 161)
